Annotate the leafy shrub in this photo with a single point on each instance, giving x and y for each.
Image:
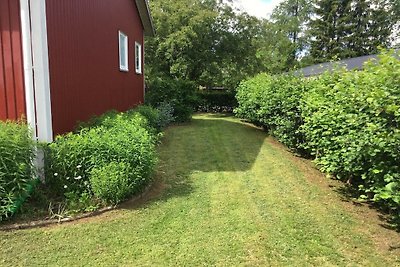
(273, 103)
(71, 158)
(166, 115)
(180, 94)
(250, 98)
(114, 182)
(350, 122)
(151, 114)
(16, 164)
(216, 101)
(96, 120)
(352, 125)
(77, 202)
(159, 117)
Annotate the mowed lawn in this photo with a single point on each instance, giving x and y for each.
(225, 194)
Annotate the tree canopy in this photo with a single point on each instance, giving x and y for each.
(212, 44)
(350, 28)
(203, 41)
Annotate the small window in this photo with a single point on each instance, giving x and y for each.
(138, 58)
(123, 51)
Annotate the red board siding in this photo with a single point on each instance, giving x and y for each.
(85, 79)
(12, 94)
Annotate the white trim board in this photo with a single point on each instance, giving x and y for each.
(39, 97)
(28, 68)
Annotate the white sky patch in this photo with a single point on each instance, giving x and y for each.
(396, 35)
(257, 8)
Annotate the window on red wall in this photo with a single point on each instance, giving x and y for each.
(123, 51)
(138, 58)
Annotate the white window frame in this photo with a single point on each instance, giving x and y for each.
(123, 44)
(138, 58)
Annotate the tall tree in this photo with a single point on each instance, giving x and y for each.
(275, 49)
(292, 18)
(349, 28)
(205, 41)
(184, 40)
(396, 28)
(329, 29)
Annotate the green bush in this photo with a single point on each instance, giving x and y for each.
(125, 137)
(115, 181)
(96, 121)
(159, 117)
(151, 114)
(350, 122)
(352, 126)
(180, 94)
(166, 114)
(250, 98)
(273, 103)
(16, 164)
(216, 101)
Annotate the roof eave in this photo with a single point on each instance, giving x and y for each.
(145, 16)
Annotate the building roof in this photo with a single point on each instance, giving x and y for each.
(145, 16)
(356, 63)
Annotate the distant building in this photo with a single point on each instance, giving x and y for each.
(356, 63)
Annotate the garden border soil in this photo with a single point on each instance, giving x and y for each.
(44, 223)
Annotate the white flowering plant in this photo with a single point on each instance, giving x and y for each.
(125, 137)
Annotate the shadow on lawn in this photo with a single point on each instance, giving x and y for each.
(210, 143)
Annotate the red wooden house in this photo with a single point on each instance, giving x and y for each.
(64, 61)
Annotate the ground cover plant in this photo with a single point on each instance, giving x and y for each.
(16, 165)
(349, 121)
(227, 195)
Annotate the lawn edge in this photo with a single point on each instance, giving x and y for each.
(45, 223)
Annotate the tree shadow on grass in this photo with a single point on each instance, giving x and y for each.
(210, 143)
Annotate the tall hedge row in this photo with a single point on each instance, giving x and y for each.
(349, 121)
(273, 103)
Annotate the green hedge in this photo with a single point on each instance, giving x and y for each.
(16, 164)
(159, 117)
(180, 94)
(349, 121)
(352, 126)
(273, 102)
(125, 139)
(216, 101)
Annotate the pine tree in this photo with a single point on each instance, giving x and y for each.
(383, 20)
(350, 28)
(329, 29)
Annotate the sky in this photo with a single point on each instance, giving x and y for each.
(258, 8)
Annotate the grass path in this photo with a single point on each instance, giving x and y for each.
(227, 195)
